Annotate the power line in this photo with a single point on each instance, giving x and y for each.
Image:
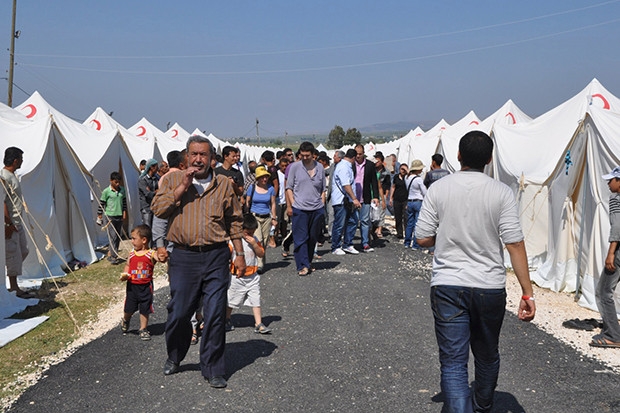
(334, 67)
(319, 49)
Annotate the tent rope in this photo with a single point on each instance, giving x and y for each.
(39, 255)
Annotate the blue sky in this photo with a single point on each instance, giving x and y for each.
(303, 67)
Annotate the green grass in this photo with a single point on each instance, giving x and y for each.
(78, 296)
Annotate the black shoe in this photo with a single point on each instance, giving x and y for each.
(170, 367)
(217, 382)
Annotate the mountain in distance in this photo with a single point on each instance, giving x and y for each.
(392, 127)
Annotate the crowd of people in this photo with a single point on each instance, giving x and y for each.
(213, 222)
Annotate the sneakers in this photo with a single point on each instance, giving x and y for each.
(350, 250)
(124, 326)
(368, 248)
(144, 335)
(338, 251)
(229, 325)
(262, 329)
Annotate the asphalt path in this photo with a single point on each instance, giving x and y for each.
(354, 336)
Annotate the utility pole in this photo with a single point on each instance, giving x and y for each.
(9, 101)
(257, 135)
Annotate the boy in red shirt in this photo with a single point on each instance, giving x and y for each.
(138, 273)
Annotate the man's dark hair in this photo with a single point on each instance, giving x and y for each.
(219, 158)
(287, 150)
(175, 158)
(437, 158)
(306, 147)
(249, 222)
(323, 158)
(115, 176)
(279, 154)
(228, 149)
(144, 231)
(351, 153)
(252, 166)
(476, 148)
(268, 156)
(11, 154)
(379, 155)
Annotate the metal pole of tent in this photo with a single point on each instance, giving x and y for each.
(581, 231)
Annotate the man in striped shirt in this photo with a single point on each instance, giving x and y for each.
(203, 213)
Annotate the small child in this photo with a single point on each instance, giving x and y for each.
(245, 288)
(138, 273)
(113, 203)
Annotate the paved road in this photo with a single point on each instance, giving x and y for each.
(355, 336)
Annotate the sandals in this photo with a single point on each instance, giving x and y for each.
(194, 339)
(284, 253)
(303, 272)
(600, 341)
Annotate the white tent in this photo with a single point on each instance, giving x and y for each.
(421, 146)
(449, 141)
(101, 151)
(146, 131)
(174, 139)
(554, 165)
(55, 188)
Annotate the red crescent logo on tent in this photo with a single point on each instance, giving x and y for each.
(419, 134)
(511, 117)
(474, 122)
(443, 127)
(143, 131)
(97, 124)
(605, 102)
(175, 134)
(33, 110)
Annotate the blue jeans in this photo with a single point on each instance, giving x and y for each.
(340, 214)
(606, 303)
(364, 214)
(350, 226)
(413, 210)
(307, 227)
(468, 317)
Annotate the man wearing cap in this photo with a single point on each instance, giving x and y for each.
(470, 217)
(608, 281)
(416, 191)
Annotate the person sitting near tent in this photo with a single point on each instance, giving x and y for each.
(16, 244)
(147, 187)
(113, 203)
(608, 281)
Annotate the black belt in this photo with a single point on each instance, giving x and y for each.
(262, 215)
(413, 200)
(200, 248)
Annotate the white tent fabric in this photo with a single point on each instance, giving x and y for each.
(449, 142)
(174, 139)
(422, 146)
(55, 188)
(101, 151)
(146, 131)
(554, 165)
(139, 147)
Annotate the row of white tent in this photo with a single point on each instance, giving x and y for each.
(553, 163)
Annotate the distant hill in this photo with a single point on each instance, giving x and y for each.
(393, 127)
